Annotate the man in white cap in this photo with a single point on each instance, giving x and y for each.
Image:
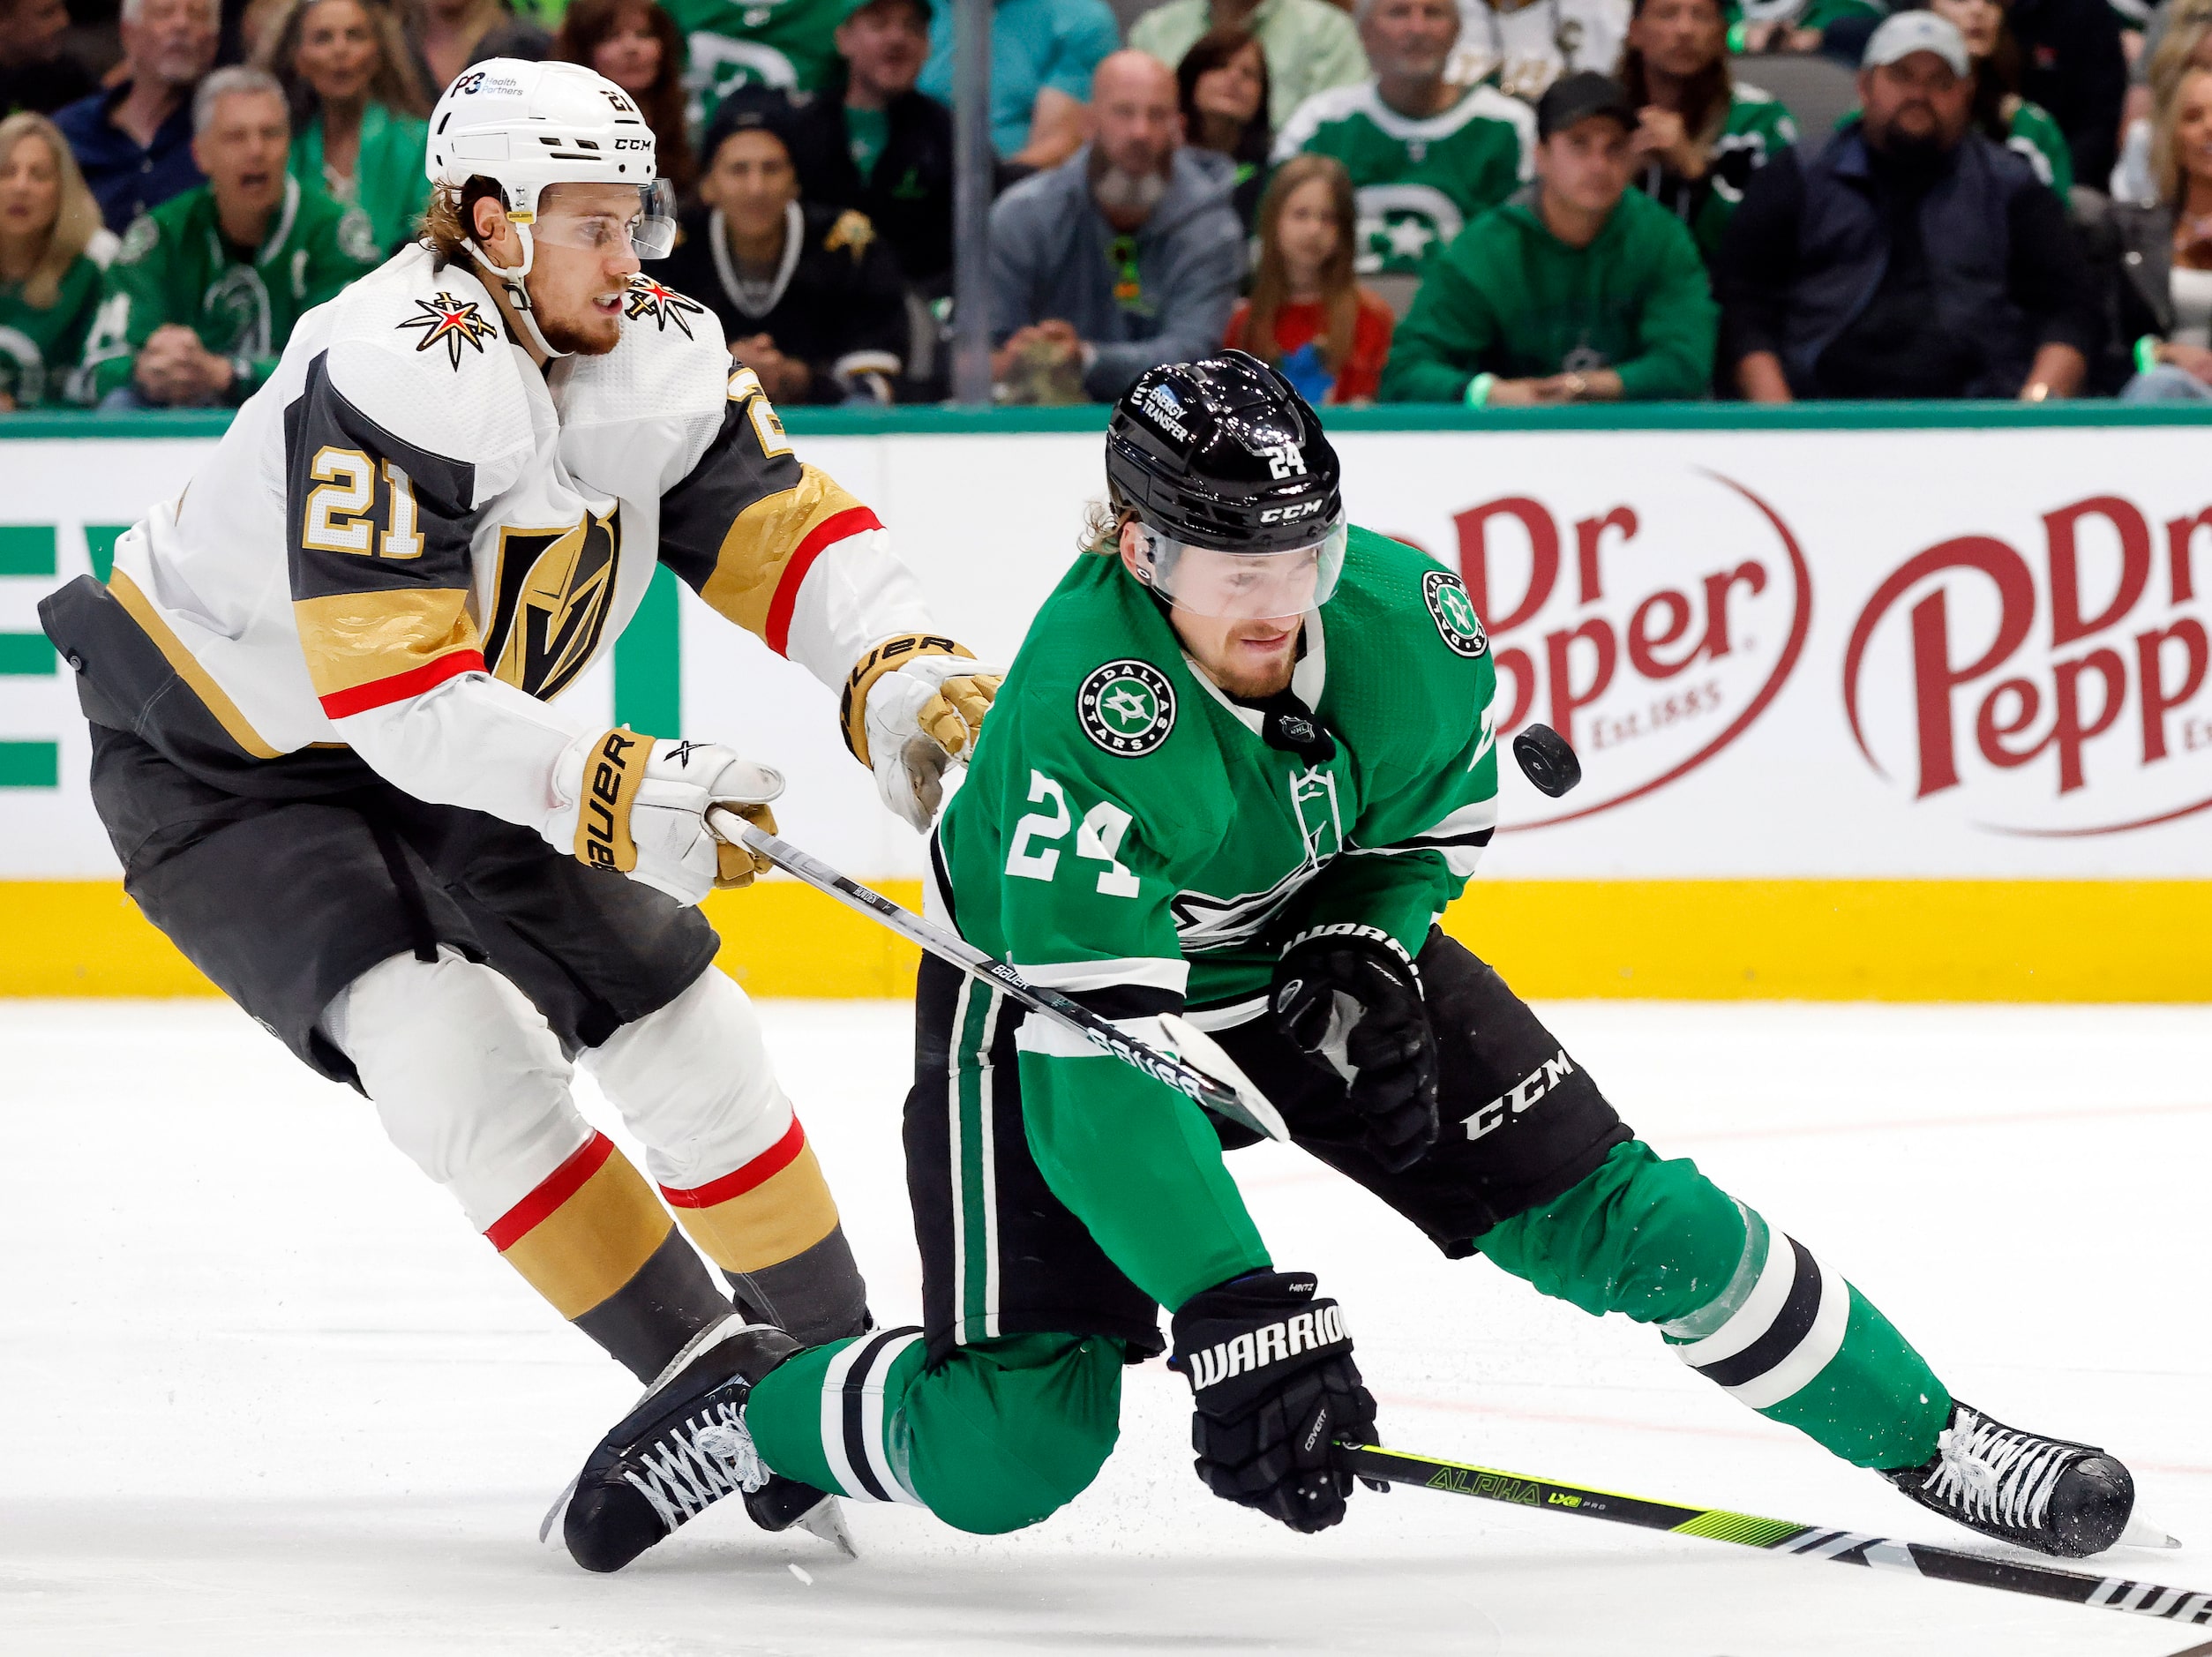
(321, 684)
(1912, 258)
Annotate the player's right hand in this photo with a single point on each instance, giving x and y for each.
(639, 809)
(1349, 996)
(1273, 1387)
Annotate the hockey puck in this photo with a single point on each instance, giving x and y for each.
(1547, 761)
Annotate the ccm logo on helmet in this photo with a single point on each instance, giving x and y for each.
(632, 144)
(1288, 514)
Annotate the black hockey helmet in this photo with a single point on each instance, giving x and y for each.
(1222, 453)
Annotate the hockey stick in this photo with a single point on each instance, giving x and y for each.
(1807, 1542)
(1226, 1091)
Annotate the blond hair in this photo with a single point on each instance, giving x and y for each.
(76, 218)
(2165, 157)
(1102, 525)
(448, 221)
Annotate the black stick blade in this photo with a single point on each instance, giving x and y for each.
(1547, 761)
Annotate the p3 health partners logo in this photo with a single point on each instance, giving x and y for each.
(2051, 691)
(1125, 706)
(1650, 634)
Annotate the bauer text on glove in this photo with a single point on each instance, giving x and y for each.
(637, 804)
(913, 709)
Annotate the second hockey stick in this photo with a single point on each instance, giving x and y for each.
(1780, 1536)
(1227, 1093)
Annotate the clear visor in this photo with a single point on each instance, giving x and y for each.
(1247, 586)
(610, 218)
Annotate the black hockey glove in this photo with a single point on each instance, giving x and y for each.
(1274, 1387)
(1347, 994)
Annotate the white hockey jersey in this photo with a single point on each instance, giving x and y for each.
(411, 540)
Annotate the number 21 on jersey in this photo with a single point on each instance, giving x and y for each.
(341, 513)
(1098, 837)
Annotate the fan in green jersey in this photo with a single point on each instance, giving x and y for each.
(787, 44)
(200, 301)
(358, 110)
(1425, 155)
(1799, 25)
(1578, 290)
(52, 248)
(1245, 759)
(1701, 132)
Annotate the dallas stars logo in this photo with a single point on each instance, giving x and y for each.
(1125, 706)
(456, 321)
(1453, 612)
(663, 304)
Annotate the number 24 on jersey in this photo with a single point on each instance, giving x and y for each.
(1098, 837)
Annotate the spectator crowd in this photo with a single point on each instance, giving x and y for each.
(1483, 202)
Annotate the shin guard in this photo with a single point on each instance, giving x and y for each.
(998, 1436)
(772, 1227)
(1751, 1309)
(591, 1239)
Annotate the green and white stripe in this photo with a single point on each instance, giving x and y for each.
(975, 1208)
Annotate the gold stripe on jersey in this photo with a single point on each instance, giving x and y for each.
(187, 665)
(762, 543)
(596, 1241)
(786, 1214)
(355, 639)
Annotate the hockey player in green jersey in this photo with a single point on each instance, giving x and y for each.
(1243, 762)
(1425, 155)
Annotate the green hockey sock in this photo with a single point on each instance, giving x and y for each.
(1000, 1435)
(1747, 1307)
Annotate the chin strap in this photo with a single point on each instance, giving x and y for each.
(513, 281)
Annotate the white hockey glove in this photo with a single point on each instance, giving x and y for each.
(913, 710)
(637, 806)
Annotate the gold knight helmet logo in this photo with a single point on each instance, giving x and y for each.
(555, 588)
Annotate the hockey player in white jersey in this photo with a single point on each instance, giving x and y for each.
(325, 742)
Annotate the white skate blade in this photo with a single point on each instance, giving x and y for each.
(827, 1520)
(553, 1513)
(2141, 1532)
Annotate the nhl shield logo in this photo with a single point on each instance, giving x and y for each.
(1126, 707)
(1453, 612)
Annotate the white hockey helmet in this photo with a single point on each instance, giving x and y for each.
(527, 126)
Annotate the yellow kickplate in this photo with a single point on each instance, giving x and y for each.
(1890, 941)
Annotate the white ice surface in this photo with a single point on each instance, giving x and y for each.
(262, 1390)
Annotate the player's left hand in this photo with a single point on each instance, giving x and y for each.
(1351, 997)
(921, 716)
(1274, 1388)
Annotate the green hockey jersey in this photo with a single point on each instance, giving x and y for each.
(786, 43)
(1125, 836)
(1417, 182)
(1756, 129)
(178, 267)
(41, 345)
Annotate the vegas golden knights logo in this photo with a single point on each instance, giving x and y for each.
(555, 587)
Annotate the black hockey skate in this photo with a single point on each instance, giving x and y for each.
(684, 1448)
(2056, 1497)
